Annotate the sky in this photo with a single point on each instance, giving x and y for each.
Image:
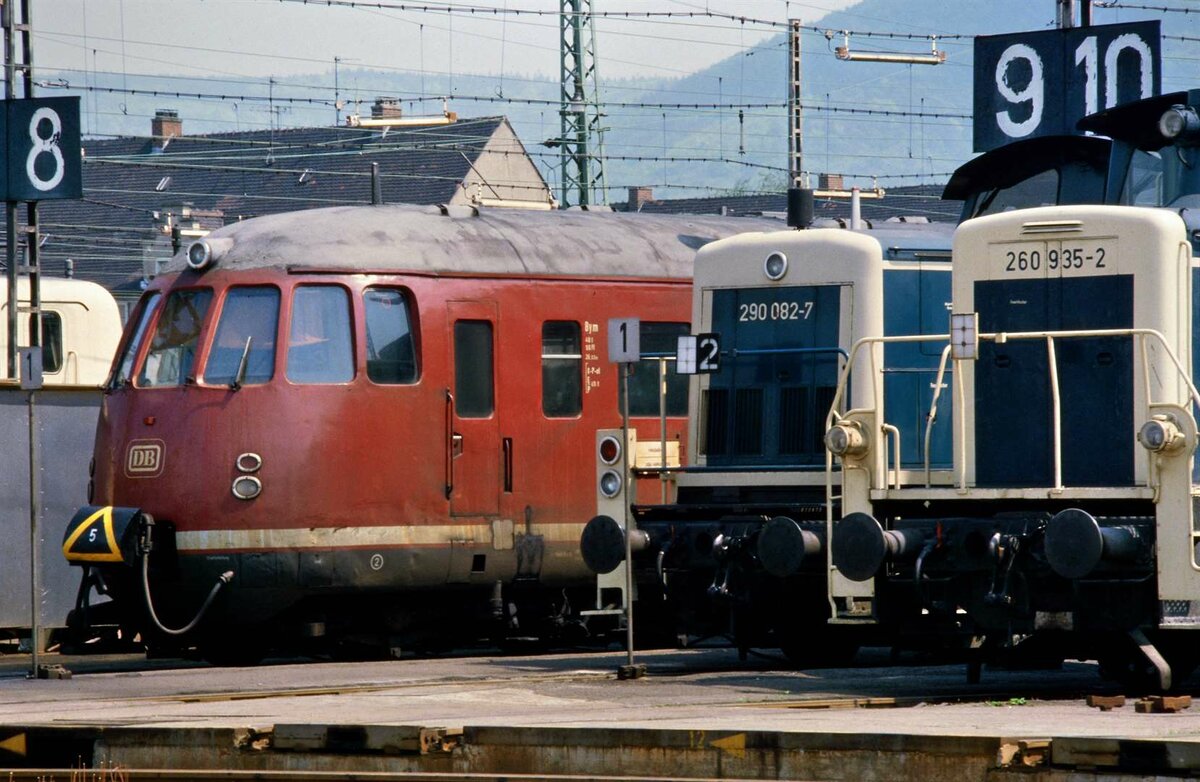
(261, 38)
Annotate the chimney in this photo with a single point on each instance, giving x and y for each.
(386, 108)
(639, 196)
(166, 124)
(832, 182)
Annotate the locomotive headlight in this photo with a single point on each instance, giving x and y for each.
(610, 484)
(775, 266)
(1160, 435)
(203, 253)
(1179, 123)
(610, 450)
(846, 439)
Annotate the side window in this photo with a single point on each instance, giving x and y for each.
(52, 341)
(474, 395)
(562, 369)
(658, 339)
(1143, 183)
(320, 349)
(247, 326)
(173, 347)
(124, 372)
(391, 355)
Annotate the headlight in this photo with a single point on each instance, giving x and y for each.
(610, 484)
(775, 266)
(1179, 123)
(1160, 435)
(846, 439)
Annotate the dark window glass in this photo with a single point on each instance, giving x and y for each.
(320, 349)
(391, 356)
(52, 341)
(473, 393)
(562, 369)
(249, 314)
(124, 371)
(173, 347)
(657, 339)
(1038, 190)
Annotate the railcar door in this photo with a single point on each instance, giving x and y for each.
(473, 427)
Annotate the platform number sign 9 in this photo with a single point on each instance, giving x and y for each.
(44, 151)
(1041, 83)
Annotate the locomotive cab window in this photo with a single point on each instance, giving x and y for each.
(320, 348)
(247, 326)
(176, 335)
(658, 339)
(124, 371)
(562, 369)
(391, 355)
(475, 395)
(52, 341)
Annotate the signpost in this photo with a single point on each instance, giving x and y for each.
(624, 348)
(1041, 83)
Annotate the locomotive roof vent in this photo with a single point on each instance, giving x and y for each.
(204, 253)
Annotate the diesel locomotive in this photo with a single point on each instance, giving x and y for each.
(371, 425)
(741, 552)
(745, 533)
(1070, 526)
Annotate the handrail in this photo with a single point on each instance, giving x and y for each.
(1056, 400)
(933, 405)
(449, 443)
(1143, 336)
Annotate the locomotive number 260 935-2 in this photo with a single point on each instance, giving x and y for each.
(1055, 258)
(775, 310)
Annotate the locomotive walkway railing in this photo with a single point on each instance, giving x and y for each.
(1142, 336)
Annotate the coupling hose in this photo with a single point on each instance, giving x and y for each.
(222, 580)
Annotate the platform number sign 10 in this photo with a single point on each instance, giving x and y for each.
(1041, 83)
(43, 149)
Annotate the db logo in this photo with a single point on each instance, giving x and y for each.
(145, 459)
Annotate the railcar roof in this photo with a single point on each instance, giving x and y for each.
(495, 241)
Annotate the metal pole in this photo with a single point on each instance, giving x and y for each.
(35, 597)
(662, 424)
(32, 243)
(795, 113)
(10, 234)
(1066, 14)
(628, 518)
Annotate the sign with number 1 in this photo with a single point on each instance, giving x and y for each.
(624, 340)
(44, 150)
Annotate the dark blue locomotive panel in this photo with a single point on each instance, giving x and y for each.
(767, 404)
(1095, 382)
(916, 302)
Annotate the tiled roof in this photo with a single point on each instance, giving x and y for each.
(128, 182)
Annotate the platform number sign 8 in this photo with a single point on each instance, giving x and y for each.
(1042, 83)
(43, 146)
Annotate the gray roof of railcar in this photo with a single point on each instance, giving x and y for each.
(496, 241)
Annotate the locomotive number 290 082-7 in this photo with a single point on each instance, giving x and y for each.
(775, 310)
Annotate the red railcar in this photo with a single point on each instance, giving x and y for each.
(379, 420)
